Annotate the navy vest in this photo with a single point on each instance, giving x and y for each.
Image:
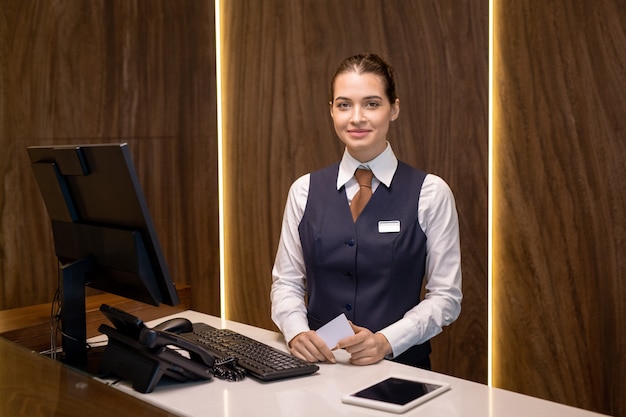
(352, 268)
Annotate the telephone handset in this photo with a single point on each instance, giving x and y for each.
(144, 355)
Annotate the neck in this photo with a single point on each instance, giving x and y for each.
(366, 155)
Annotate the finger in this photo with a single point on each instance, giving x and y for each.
(302, 348)
(366, 360)
(316, 350)
(323, 349)
(299, 355)
(355, 328)
(361, 334)
(313, 349)
(352, 340)
(304, 352)
(364, 355)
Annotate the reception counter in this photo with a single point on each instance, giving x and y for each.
(320, 394)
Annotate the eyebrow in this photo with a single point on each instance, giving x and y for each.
(364, 98)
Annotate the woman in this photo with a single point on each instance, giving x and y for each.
(371, 265)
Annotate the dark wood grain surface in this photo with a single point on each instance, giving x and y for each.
(143, 72)
(78, 72)
(559, 269)
(280, 56)
(34, 385)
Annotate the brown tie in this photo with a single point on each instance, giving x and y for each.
(360, 199)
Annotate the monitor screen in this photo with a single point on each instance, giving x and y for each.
(103, 234)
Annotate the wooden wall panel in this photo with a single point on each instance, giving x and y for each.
(111, 71)
(279, 57)
(560, 221)
(125, 70)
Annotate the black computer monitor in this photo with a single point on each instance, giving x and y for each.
(103, 234)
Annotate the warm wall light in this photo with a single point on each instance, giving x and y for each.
(490, 205)
(220, 155)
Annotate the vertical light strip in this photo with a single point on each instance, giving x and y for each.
(220, 155)
(490, 209)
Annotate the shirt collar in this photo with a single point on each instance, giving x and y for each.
(383, 167)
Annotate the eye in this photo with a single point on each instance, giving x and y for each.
(372, 104)
(342, 105)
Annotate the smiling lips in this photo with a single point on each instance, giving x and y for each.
(358, 133)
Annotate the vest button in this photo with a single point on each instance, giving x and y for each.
(350, 242)
(348, 306)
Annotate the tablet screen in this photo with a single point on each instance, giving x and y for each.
(396, 394)
(397, 391)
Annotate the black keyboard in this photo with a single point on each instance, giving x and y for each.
(260, 360)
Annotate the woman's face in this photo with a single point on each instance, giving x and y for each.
(361, 114)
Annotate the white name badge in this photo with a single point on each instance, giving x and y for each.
(389, 226)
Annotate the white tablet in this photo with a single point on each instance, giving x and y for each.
(396, 393)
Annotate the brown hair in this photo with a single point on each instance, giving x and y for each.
(367, 63)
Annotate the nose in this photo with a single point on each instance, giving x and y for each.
(357, 115)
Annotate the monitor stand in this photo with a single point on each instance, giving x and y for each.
(73, 316)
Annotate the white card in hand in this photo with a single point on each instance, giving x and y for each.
(335, 330)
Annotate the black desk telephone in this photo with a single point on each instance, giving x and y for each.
(144, 355)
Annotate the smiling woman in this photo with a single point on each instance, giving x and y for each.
(361, 113)
(324, 249)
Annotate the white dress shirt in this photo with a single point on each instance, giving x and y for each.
(438, 219)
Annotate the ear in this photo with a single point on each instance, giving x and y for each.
(330, 108)
(395, 110)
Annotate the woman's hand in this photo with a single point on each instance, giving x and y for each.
(310, 347)
(365, 347)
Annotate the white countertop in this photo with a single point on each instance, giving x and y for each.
(320, 394)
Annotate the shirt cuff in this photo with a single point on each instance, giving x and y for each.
(293, 326)
(401, 336)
